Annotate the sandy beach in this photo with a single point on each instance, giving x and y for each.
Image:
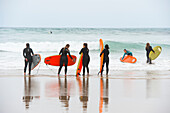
(120, 92)
(130, 38)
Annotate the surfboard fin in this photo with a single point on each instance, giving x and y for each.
(98, 72)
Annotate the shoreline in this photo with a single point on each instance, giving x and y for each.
(121, 74)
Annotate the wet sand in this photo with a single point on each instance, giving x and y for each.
(121, 92)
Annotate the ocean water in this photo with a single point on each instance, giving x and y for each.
(13, 40)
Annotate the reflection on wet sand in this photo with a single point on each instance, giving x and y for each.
(27, 98)
(31, 91)
(104, 94)
(153, 88)
(59, 89)
(61, 95)
(83, 91)
(64, 92)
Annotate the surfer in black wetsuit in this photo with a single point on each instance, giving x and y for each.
(105, 59)
(63, 52)
(28, 58)
(86, 58)
(148, 49)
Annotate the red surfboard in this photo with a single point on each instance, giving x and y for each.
(79, 66)
(55, 60)
(128, 59)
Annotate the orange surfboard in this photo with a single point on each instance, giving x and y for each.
(128, 59)
(101, 58)
(55, 60)
(79, 66)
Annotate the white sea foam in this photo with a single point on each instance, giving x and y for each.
(12, 43)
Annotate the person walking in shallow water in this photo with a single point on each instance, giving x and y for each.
(86, 58)
(148, 49)
(28, 57)
(105, 59)
(63, 52)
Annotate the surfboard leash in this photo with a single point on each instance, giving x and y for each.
(38, 69)
(51, 69)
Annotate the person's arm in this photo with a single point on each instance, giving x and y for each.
(123, 56)
(32, 52)
(101, 53)
(69, 54)
(60, 51)
(152, 50)
(24, 54)
(87, 51)
(131, 53)
(81, 51)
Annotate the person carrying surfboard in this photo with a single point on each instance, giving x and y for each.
(86, 58)
(28, 57)
(63, 52)
(126, 52)
(148, 49)
(105, 59)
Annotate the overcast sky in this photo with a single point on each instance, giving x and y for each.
(85, 13)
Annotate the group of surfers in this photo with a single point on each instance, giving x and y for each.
(28, 53)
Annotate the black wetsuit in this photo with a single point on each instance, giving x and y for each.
(86, 59)
(148, 50)
(27, 54)
(105, 60)
(64, 59)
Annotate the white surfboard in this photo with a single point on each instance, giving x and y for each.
(36, 60)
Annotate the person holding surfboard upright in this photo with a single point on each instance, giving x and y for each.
(63, 52)
(28, 57)
(86, 58)
(126, 52)
(148, 49)
(105, 59)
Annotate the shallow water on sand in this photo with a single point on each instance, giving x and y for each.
(83, 94)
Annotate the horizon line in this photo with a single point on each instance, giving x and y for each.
(94, 27)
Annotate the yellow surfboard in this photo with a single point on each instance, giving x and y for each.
(153, 55)
(79, 66)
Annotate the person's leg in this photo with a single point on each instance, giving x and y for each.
(102, 67)
(61, 65)
(66, 66)
(84, 65)
(107, 67)
(87, 69)
(150, 62)
(84, 70)
(25, 68)
(147, 58)
(30, 63)
(66, 69)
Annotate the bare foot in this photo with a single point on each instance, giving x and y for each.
(24, 74)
